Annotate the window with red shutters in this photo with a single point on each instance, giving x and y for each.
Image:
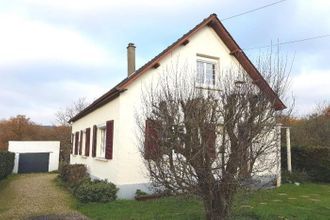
(151, 144)
(94, 141)
(76, 143)
(81, 142)
(87, 141)
(109, 140)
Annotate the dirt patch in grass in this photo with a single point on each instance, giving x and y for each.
(32, 195)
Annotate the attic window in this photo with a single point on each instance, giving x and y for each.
(205, 73)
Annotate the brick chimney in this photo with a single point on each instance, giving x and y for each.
(130, 59)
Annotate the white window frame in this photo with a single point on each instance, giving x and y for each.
(204, 84)
(101, 142)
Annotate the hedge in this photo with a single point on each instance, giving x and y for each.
(6, 163)
(76, 178)
(314, 161)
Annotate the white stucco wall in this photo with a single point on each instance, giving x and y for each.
(267, 168)
(126, 169)
(205, 42)
(51, 147)
(98, 167)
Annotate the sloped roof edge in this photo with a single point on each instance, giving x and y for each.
(223, 34)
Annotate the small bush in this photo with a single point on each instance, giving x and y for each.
(96, 191)
(6, 163)
(139, 192)
(73, 174)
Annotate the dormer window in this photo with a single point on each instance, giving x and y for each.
(205, 73)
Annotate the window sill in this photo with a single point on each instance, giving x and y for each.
(101, 159)
(208, 87)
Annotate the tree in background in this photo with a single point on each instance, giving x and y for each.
(63, 131)
(313, 129)
(21, 128)
(17, 128)
(210, 141)
(64, 115)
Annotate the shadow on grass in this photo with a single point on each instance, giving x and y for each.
(59, 217)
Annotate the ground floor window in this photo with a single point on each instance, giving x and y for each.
(102, 141)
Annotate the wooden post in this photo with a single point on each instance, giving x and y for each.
(288, 149)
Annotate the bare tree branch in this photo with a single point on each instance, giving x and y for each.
(211, 140)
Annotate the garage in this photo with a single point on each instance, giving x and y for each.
(33, 162)
(35, 156)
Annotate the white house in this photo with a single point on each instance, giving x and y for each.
(104, 134)
(35, 156)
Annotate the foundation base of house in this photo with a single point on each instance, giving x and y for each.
(127, 191)
(261, 182)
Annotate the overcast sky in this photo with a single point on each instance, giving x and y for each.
(53, 52)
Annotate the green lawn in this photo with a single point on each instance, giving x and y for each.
(167, 208)
(307, 201)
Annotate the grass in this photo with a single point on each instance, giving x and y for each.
(4, 205)
(166, 208)
(38, 194)
(307, 201)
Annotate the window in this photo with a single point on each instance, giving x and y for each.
(103, 137)
(102, 143)
(205, 73)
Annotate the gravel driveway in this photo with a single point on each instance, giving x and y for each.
(35, 196)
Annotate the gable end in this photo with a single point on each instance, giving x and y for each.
(213, 22)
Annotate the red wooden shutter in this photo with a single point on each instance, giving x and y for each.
(94, 141)
(109, 140)
(210, 136)
(88, 141)
(151, 145)
(81, 142)
(76, 143)
(244, 152)
(72, 146)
